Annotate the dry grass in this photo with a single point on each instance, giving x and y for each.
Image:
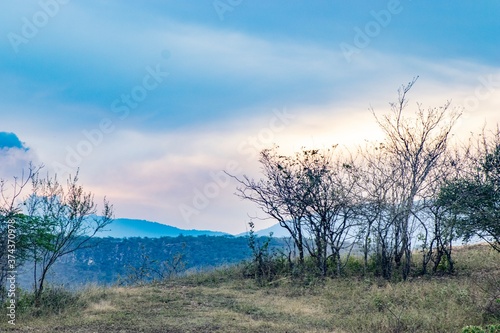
(223, 302)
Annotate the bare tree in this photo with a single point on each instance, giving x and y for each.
(378, 192)
(437, 228)
(382, 197)
(309, 195)
(330, 202)
(417, 142)
(69, 221)
(321, 202)
(279, 194)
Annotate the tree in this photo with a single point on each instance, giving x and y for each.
(416, 142)
(474, 198)
(14, 229)
(438, 227)
(279, 194)
(329, 183)
(378, 192)
(383, 197)
(309, 194)
(65, 220)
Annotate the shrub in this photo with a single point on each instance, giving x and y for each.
(53, 300)
(354, 266)
(266, 264)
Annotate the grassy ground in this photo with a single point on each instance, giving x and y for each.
(222, 301)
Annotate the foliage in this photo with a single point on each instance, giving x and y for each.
(54, 301)
(65, 219)
(265, 264)
(473, 200)
(15, 229)
(109, 260)
(45, 224)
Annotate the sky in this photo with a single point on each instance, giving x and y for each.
(152, 100)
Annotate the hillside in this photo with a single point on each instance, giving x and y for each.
(224, 301)
(112, 260)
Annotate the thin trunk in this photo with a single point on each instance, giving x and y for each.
(39, 290)
(300, 246)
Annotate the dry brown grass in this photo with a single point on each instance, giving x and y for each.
(223, 302)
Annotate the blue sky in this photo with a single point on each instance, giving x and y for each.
(152, 99)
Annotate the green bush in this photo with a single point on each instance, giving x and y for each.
(266, 264)
(54, 300)
(353, 266)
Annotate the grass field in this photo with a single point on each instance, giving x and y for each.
(223, 301)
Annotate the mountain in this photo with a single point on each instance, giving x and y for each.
(126, 228)
(277, 230)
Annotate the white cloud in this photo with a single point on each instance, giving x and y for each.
(15, 162)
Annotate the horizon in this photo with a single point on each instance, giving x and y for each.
(153, 101)
(239, 234)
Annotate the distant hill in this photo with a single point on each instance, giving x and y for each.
(127, 228)
(277, 230)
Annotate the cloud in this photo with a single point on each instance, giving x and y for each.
(15, 156)
(10, 140)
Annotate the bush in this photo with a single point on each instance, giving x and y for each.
(353, 266)
(266, 264)
(54, 300)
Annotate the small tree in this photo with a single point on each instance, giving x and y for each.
(65, 221)
(279, 195)
(329, 183)
(310, 195)
(473, 199)
(417, 142)
(438, 229)
(263, 259)
(378, 192)
(14, 227)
